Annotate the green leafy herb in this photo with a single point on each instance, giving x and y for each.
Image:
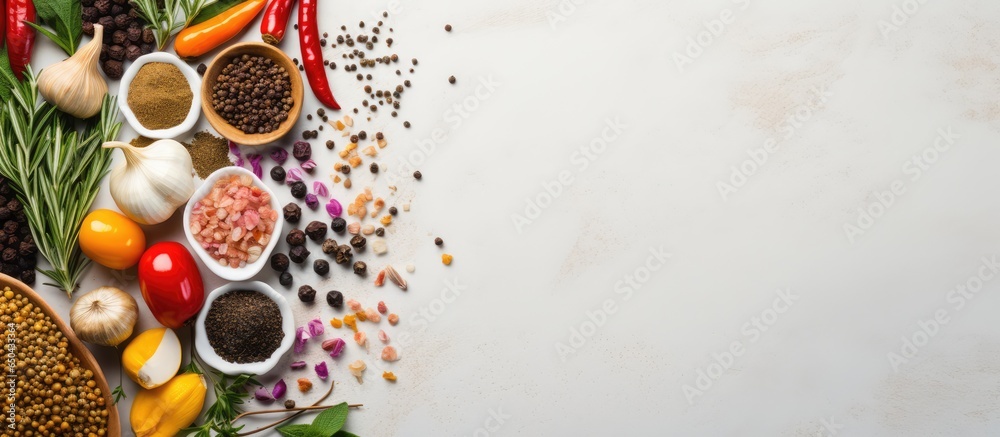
(5, 71)
(210, 11)
(326, 424)
(118, 393)
(192, 8)
(66, 19)
(55, 170)
(164, 20)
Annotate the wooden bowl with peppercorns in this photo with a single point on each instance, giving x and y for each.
(74, 347)
(264, 94)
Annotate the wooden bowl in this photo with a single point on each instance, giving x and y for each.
(76, 347)
(211, 78)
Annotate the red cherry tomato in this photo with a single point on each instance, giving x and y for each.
(171, 283)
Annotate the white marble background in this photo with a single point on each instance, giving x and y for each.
(849, 98)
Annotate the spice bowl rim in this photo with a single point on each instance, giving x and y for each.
(233, 133)
(226, 272)
(207, 353)
(194, 81)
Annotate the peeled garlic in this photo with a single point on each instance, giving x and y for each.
(165, 410)
(153, 182)
(153, 357)
(104, 316)
(75, 85)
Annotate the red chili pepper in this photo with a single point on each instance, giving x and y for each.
(312, 54)
(272, 29)
(171, 283)
(20, 36)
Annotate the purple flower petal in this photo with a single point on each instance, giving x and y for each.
(338, 347)
(293, 174)
(309, 165)
(301, 336)
(279, 389)
(262, 395)
(320, 189)
(237, 159)
(255, 159)
(311, 201)
(298, 365)
(316, 327)
(279, 155)
(322, 371)
(334, 208)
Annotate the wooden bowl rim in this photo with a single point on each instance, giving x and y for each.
(231, 132)
(76, 347)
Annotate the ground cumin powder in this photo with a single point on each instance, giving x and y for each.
(160, 96)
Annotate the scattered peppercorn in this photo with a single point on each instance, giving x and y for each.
(278, 173)
(380, 232)
(451, 80)
(301, 150)
(298, 189)
(343, 254)
(279, 262)
(307, 294)
(338, 225)
(345, 169)
(316, 230)
(417, 175)
(321, 267)
(289, 404)
(360, 268)
(202, 68)
(406, 124)
(335, 299)
(329, 144)
(285, 279)
(393, 210)
(358, 242)
(298, 254)
(447, 28)
(438, 241)
(373, 168)
(292, 212)
(295, 237)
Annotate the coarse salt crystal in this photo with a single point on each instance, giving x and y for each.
(379, 247)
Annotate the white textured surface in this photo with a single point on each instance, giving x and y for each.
(492, 348)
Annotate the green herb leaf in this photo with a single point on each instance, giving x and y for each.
(331, 420)
(5, 73)
(118, 394)
(294, 430)
(343, 433)
(212, 10)
(66, 19)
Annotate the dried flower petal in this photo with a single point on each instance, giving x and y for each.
(320, 189)
(234, 150)
(315, 327)
(311, 201)
(393, 276)
(301, 336)
(337, 347)
(334, 208)
(322, 371)
(309, 165)
(279, 155)
(255, 159)
(263, 395)
(389, 354)
(279, 389)
(382, 336)
(294, 174)
(298, 365)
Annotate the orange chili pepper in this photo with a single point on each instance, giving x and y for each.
(205, 37)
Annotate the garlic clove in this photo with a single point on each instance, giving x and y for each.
(75, 85)
(153, 182)
(104, 316)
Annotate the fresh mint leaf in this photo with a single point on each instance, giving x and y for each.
(331, 420)
(293, 430)
(65, 17)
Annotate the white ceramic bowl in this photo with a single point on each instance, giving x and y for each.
(193, 80)
(226, 272)
(207, 352)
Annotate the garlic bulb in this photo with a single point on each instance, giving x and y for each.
(153, 182)
(75, 85)
(104, 316)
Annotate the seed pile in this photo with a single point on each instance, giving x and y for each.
(253, 94)
(125, 35)
(55, 395)
(208, 153)
(18, 254)
(160, 96)
(244, 326)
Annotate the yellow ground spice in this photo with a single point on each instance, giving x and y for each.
(160, 96)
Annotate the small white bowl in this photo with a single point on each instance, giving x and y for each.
(193, 80)
(226, 272)
(207, 352)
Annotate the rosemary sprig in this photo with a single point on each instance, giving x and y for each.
(56, 171)
(165, 21)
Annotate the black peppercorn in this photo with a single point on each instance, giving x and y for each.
(417, 175)
(202, 68)
(316, 230)
(438, 241)
(295, 237)
(292, 213)
(329, 246)
(373, 168)
(307, 294)
(289, 404)
(358, 242)
(302, 150)
(343, 254)
(380, 232)
(321, 267)
(298, 189)
(278, 173)
(329, 144)
(339, 225)
(279, 262)
(335, 299)
(451, 80)
(345, 169)
(360, 268)
(285, 279)
(393, 210)
(298, 254)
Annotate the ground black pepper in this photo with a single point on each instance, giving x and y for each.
(244, 326)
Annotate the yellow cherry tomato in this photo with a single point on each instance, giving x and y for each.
(111, 239)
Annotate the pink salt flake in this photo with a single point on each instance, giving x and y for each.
(373, 316)
(354, 305)
(361, 338)
(382, 308)
(389, 353)
(234, 222)
(382, 336)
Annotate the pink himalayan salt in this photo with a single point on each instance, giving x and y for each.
(234, 222)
